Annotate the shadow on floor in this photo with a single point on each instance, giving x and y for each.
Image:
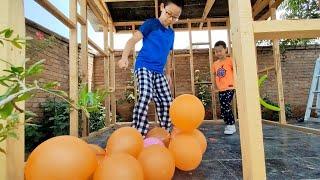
(289, 154)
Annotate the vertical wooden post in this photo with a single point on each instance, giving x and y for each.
(133, 64)
(234, 101)
(244, 54)
(84, 60)
(73, 68)
(191, 57)
(12, 16)
(156, 6)
(106, 72)
(277, 64)
(112, 77)
(173, 78)
(213, 94)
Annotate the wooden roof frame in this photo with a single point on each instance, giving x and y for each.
(256, 9)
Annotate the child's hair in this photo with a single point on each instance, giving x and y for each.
(179, 3)
(220, 43)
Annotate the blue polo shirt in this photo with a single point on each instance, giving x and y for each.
(157, 43)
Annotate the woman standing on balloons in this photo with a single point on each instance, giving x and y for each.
(223, 70)
(158, 40)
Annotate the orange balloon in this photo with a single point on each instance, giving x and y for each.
(197, 134)
(201, 139)
(186, 151)
(187, 112)
(161, 134)
(119, 166)
(125, 140)
(100, 152)
(61, 157)
(157, 163)
(174, 132)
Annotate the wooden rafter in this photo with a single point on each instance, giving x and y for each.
(101, 11)
(265, 16)
(206, 10)
(275, 3)
(107, 1)
(259, 6)
(56, 12)
(272, 4)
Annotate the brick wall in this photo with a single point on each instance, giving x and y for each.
(297, 69)
(56, 66)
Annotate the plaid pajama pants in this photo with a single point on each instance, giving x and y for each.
(225, 98)
(151, 86)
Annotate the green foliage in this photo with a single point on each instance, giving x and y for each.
(55, 117)
(203, 90)
(16, 88)
(97, 118)
(298, 9)
(33, 136)
(6, 35)
(128, 95)
(90, 101)
(273, 115)
(55, 122)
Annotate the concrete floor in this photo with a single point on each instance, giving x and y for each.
(289, 154)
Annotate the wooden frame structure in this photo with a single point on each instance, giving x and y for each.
(243, 30)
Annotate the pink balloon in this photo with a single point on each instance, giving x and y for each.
(151, 141)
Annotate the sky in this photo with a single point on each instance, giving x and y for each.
(36, 13)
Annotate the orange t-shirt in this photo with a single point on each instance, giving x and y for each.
(223, 71)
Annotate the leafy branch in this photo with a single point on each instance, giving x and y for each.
(17, 90)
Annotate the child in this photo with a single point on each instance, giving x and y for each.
(158, 40)
(223, 71)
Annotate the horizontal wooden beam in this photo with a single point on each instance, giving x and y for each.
(266, 69)
(183, 21)
(125, 0)
(294, 127)
(181, 29)
(286, 29)
(56, 13)
(275, 3)
(81, 20)
(96, 47)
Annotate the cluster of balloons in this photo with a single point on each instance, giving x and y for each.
(127, 154)
(187, 143)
